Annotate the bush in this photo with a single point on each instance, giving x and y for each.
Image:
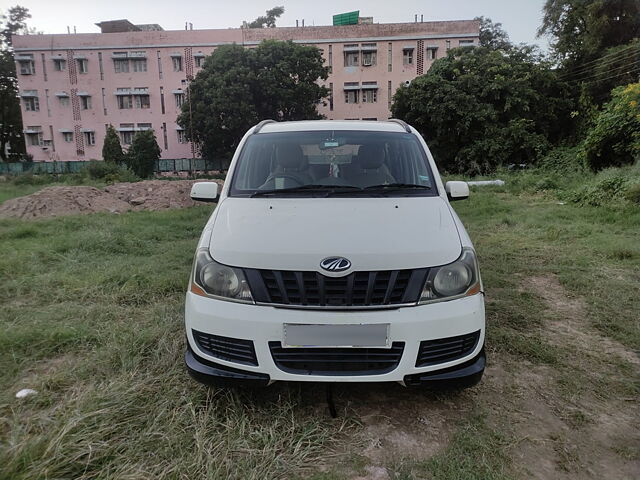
(143, 154)
(610, 186)
(563, 160)
(614, 139)
(109, 172)
(31, 179)
(97, 170)
(632, 194)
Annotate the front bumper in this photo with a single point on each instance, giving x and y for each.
(264, 324)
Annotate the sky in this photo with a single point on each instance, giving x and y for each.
(520, 18)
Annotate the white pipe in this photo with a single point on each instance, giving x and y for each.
(482, 183)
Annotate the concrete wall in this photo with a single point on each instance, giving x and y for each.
(101, 80)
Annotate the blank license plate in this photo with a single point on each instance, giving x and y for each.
(352, 335)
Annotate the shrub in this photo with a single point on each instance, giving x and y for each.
(98, 170)
(563, 160)
(109, 172)
(632, 194)
(610, 186)
(111, 149)
(143, 154)
(31, 179)
(614, 139)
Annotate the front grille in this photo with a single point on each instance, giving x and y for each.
(358, 289)
(226, 348)
(433, 352)
(336, 361)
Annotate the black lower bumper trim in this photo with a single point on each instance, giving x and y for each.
(465, 375)
(212, 373)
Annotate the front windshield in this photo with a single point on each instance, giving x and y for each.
(333, 162)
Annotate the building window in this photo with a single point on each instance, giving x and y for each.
(27, 67)
(351, 59)
(177, 64)
(432, 53)
(369, 58)
(85, 102)
(389, 94)
(179, 99)
(64, 101)
(182, 136)
(83, 65)
(59, 64)
(121, 65)
(144, 126)
(389, 57)
(125, 102)
(407, 56)
(68, 136)
(31, 104)
(466, 43)
(330, 58)
(34, 136)
(448, 45)
(140, 65)
(351, 96)
(369, 96)
(142, 101)
(126, 133)
(199, 61)
(90, 138)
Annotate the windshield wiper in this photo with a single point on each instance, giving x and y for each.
(397, 186)
(305, 188)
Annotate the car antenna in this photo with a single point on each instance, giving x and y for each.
(330, 404)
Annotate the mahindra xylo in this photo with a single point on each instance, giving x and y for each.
(334, 256)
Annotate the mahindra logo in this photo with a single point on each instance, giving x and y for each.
(335, 264)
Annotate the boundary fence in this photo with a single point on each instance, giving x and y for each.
(162, 166)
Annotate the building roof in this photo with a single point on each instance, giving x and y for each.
(131, 34)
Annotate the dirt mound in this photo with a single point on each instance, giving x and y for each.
(116, 198)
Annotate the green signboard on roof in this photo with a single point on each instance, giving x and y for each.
(350, 18)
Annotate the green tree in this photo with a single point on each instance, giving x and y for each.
(479, 108)
(582, 29)
(269, 20)
(14, 22)
(492, 35)
(614, 139)
(111, 148)
(239, 87)
(143, 154)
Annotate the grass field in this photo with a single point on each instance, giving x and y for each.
(92, 319)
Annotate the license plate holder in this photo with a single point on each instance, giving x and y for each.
(357, 335)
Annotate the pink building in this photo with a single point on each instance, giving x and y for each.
(73, 86)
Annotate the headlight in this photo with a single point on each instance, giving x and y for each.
(212, 279)
(458, 279)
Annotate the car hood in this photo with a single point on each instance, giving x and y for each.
(298, 233)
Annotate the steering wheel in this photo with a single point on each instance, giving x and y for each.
(271, 177)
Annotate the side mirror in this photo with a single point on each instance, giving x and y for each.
(457, 190)
(204, 191)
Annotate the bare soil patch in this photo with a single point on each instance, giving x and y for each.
(117, 198)
(571, 321)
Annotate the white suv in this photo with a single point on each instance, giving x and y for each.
(334, 256)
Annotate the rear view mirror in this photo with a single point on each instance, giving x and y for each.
(457, 190)
(204, 191)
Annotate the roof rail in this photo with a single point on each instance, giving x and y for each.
(401, 123)
(262, 124)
